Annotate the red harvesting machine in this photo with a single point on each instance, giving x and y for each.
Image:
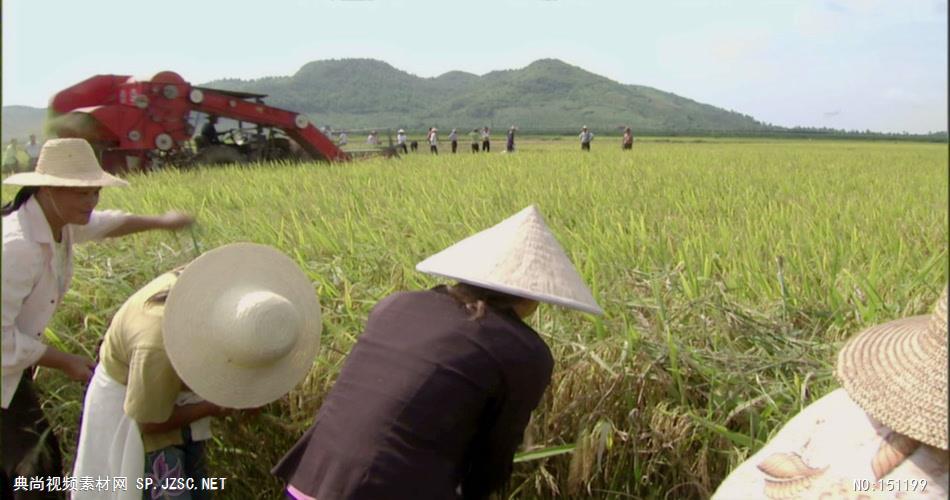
(135, 123)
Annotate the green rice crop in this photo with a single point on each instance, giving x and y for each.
(731, 272)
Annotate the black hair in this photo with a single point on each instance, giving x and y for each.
(478, 300)
(24, 194)
(161, 296)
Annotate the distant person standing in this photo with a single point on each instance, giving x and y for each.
(627, 139)
(510, 144)
(486, 140)
(33, 151)
(475, 136)
(586, 136)
(401, 141)
(454, 137)
(372, 139)
(342, 139)
(10, 162)
(434, 140)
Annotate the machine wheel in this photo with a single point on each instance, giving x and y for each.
(219, 155)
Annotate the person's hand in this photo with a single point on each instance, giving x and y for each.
(251, 412)
(220, 411)
(210, 409)
(77, 367)
(176, 220)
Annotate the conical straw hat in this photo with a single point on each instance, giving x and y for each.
(242, 325)
(66, 163)
(897, 372)
(519, 256)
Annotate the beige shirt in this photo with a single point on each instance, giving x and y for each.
(833, 449)
(32, 287)
(133, 354)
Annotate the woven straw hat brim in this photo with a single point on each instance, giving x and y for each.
(39, 179)
(68, 162)
(897, 372)
(198, 353)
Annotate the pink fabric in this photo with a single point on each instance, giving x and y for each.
(297, 494)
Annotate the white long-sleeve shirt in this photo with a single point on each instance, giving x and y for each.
(32, 286)
(33, 149)
(832, 446)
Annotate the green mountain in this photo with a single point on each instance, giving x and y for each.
(20, 122)
(546, 95)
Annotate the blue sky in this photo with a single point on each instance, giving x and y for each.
(854, 64)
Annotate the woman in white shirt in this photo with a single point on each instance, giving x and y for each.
(434, 140)
(883, 434)
(401, 141)
(54, 209)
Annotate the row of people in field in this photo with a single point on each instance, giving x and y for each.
(12, 161)
(480, 140)
(433, 398)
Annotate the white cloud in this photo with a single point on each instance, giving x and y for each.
(740, 45)
(832, 17)
(812, 21)
(902, 96)
(863, 7)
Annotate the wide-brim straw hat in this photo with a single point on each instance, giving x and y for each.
(518, 256)
(66, 163)
(242, 325)
(400, 131)
(897, 372)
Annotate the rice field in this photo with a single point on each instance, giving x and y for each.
(731, 272)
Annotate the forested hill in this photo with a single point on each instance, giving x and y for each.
(546, 95)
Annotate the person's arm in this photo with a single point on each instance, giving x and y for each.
(152, 389)
(182, 416)
(136, 223)
(76, 367)
(503, 423)
(112, 223)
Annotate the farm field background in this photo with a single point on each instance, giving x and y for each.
(731, 272)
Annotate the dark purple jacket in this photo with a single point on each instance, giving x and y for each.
(427, 401)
